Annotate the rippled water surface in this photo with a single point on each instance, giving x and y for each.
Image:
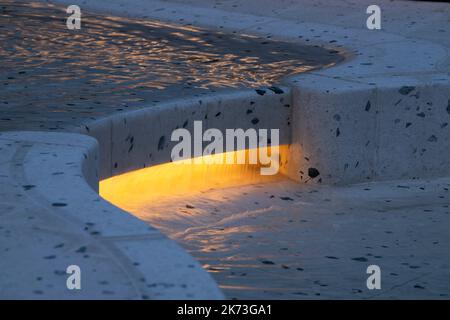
(283, 240)
(55, 78)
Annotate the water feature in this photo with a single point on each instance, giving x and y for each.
(52, 78)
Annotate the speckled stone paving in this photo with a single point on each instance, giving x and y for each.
(286, 241)
(53, 79)
(44, 228)
(281, 240)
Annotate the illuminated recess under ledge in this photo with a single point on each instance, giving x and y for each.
(131, 190)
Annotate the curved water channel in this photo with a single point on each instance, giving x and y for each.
(52, 78)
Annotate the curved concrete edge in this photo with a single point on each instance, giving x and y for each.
(51, 217)
(138, 139)
(379, 144)
(344, 129)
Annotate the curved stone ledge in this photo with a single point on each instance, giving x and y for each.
(51, 217)
(45, 175)
(350, 132)
(138, 139)
(378, 144)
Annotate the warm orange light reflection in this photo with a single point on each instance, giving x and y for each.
(160, 182)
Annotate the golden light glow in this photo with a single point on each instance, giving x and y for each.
(158, 183)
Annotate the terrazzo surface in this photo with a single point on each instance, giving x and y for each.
(282, 240)
(278, 240)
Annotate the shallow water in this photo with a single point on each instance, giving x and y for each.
(267, 237)
(55, 78)
(283, 240)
